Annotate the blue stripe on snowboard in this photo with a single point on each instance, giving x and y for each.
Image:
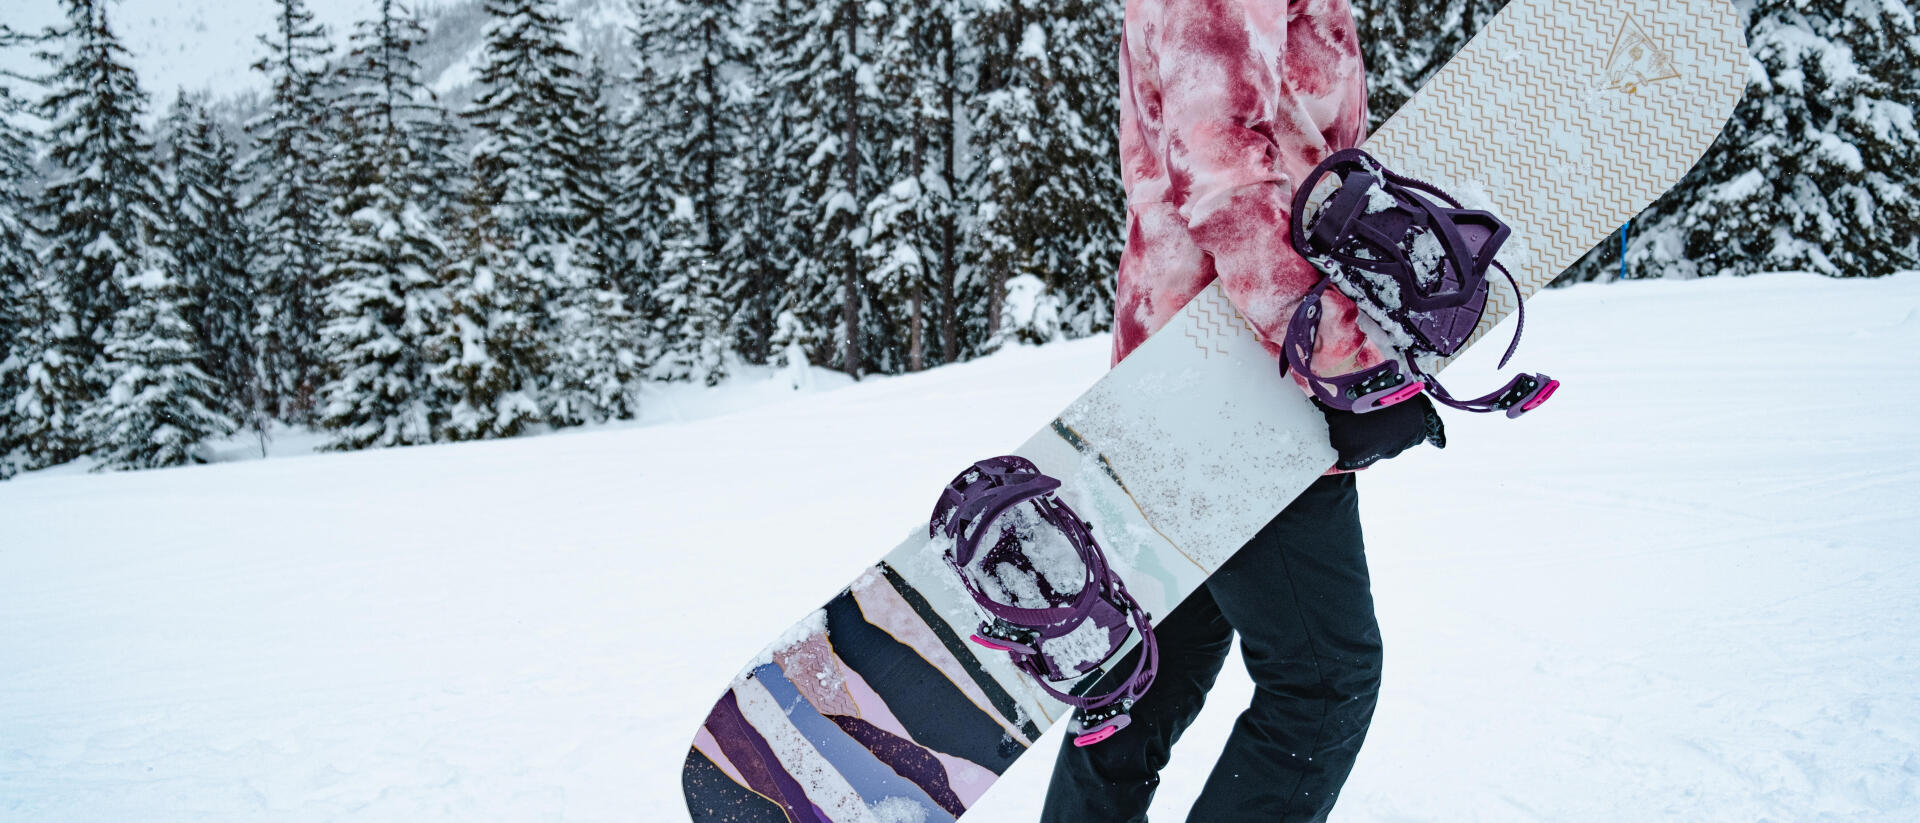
(869, 777)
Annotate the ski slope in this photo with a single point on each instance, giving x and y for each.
(1686, 590)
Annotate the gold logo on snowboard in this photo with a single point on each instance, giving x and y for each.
(1637, 60)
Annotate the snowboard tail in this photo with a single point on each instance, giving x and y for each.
(1562, 117)
(888, 692)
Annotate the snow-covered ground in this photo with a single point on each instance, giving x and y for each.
(1687, 590)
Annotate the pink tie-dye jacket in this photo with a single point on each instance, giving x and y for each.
(1223, 105)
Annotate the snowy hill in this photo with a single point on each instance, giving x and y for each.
(209, 45)
(1686, 590)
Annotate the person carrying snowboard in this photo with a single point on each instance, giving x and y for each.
(1224, 104)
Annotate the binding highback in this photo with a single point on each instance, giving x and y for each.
(1418, 262)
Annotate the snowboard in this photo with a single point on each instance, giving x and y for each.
(1562, 117)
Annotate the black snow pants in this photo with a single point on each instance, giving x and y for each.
(1298, 596)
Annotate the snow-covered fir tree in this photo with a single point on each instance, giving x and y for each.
(691, 44)
(699, 143)
(603, 242)
(527, 165)
(1009, 139)
(781, 136)
(487, 358)
(904, 221)
(161, 405)
(595, 360)
(691, 340)
(1079, 199)
(595, 357)
(47, 381)
(1817, 169)
(759, 249)
(288, 207)
(527, 118)
(100, 207)
(151, 402)
(642, 195)
(207, 238)
(827, 288)
(1406, 41)
(950, 87)
(19, 271)
(382, 296)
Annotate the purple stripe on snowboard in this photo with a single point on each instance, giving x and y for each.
(750, 753)
(905, 759)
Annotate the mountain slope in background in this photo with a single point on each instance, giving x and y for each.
(208, 45)
(1685, 590)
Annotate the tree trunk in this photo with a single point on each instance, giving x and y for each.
(949, 256)
(850, 273)
(915, 357)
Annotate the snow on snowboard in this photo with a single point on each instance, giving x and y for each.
(910, 692)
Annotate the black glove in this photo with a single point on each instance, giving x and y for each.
(1365, 439)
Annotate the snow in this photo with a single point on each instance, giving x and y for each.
(1748, 184)
(1684, 590)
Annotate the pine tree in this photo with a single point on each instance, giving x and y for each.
(528, 117)
(949, 182)
(101, 204)
(161, 404)
(1081, 199)
(904, 220)
(288, 208)
(698, 145)
(594, 356)
(692, 340)
(1816, 170)
(487, 358)
(642, 195)
(779, 245)
(696, 140)
(826, 291)
(603, 236)
(526, 166)
(19, 271)
(382, 296)
(208, 240)
(1406, 41)
(1009, 136)
(47, 374)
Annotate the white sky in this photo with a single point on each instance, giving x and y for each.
(176, 44)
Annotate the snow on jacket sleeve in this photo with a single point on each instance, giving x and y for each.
(1224, 104)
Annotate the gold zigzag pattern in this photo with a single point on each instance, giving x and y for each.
(1213, 323)
(1552, 149)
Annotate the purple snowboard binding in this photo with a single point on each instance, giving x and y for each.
(1416, 261)
(1051, 633)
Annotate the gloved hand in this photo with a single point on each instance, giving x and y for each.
(1365, 439)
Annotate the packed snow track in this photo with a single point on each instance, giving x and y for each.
(1688, 589)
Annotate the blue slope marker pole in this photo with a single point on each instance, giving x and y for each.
(1623, 251)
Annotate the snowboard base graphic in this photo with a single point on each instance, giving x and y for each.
(1563, 117)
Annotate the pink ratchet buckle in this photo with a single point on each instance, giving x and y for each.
(1110, 729)
(1535, 400)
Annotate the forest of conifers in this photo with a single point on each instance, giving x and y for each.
(871, 187)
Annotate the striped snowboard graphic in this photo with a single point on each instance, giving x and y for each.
(1564, 117)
